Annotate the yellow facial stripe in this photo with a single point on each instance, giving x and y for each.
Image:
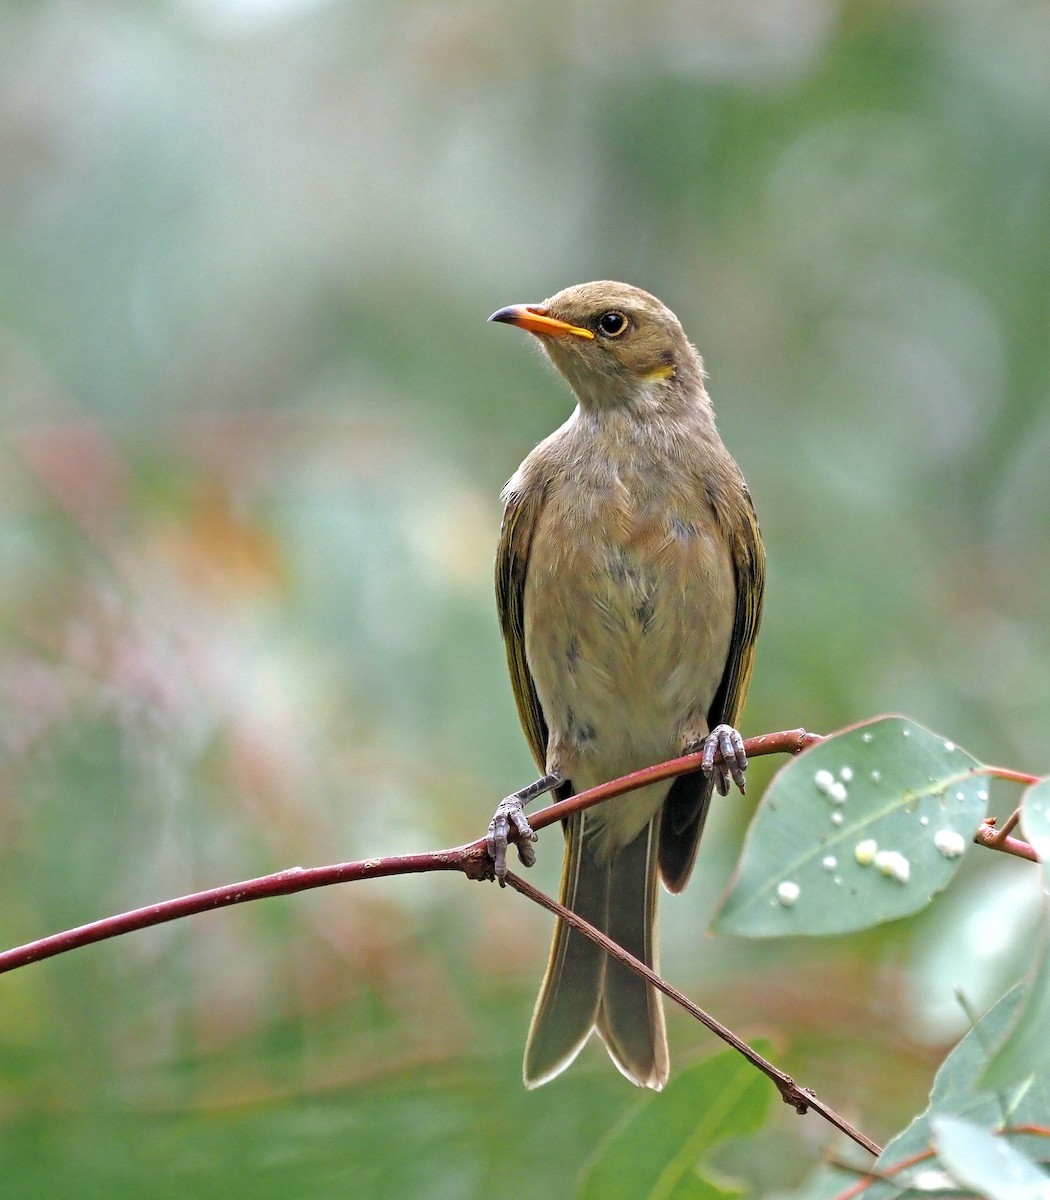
(664, 372)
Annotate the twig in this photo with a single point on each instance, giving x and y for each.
(787, 741)
(1008, 826)
(887, 1176)
(472, 859)
(996, 839)
(913, 1160)
(283, 883)
(801, 1099)
(1009, 774)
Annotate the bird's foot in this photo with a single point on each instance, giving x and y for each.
(510, 817)
(727, 743)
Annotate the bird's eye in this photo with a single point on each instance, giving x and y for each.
(612, 324)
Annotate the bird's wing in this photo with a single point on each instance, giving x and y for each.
(749, 570)
(686, 806)
(520, 519)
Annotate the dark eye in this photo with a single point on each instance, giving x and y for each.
(612, 324)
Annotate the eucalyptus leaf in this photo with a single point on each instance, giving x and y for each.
(1027, 1045)
(954, 1094)
(987, 1163)
(865, 827)
(658, 1151)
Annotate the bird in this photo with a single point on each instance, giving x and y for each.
(630, 575)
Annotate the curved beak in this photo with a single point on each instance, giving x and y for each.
(536, 320)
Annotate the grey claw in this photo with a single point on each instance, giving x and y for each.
(729, 745)
(509, 812)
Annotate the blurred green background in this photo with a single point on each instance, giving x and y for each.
(254, 428)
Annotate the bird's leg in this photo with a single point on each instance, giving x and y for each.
(725, 741)
(511, 811)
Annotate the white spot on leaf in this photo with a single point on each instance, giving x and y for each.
(846, 774)
(893, 864)
(788, 893)
(864, 852)
(829, 862)
(827, 783)
(949, 843)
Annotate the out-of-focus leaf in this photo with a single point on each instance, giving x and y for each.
(954, 1094)
(866, 827)
(987, 1163)
(1027, 1045)
(658, 1151)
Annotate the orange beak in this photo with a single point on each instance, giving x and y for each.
(536, 320)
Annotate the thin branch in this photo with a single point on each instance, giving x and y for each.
(887, 1176)
(996, 839)
(1008, 826)
(801, 1099)
(472, 859)
(787, 741)
(283, 883)
(913, 1160)
(1009, 774)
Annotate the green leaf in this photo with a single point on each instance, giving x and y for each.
(655, 1153)
(954, 1094)
(987, 1163)
(1027, 1045)
(863, 828)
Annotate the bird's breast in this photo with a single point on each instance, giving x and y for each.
(628, 606)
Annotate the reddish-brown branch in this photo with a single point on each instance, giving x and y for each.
(1009, 825)
(283, 883)
(1010, 775)
(913, 1160)
(801, 1099)
(787, 741)
(996, 839)
(887, 1176)
(472, 859)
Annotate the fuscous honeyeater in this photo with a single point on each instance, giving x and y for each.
(629, 581)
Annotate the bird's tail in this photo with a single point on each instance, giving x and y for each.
(583, 988)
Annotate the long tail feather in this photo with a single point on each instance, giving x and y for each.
(567, 1006)
(631, 1016)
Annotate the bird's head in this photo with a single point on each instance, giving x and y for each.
(615, 344)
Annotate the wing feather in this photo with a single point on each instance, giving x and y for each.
(687, 801)
(520, 519)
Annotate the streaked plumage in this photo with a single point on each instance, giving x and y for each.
(629, 581)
